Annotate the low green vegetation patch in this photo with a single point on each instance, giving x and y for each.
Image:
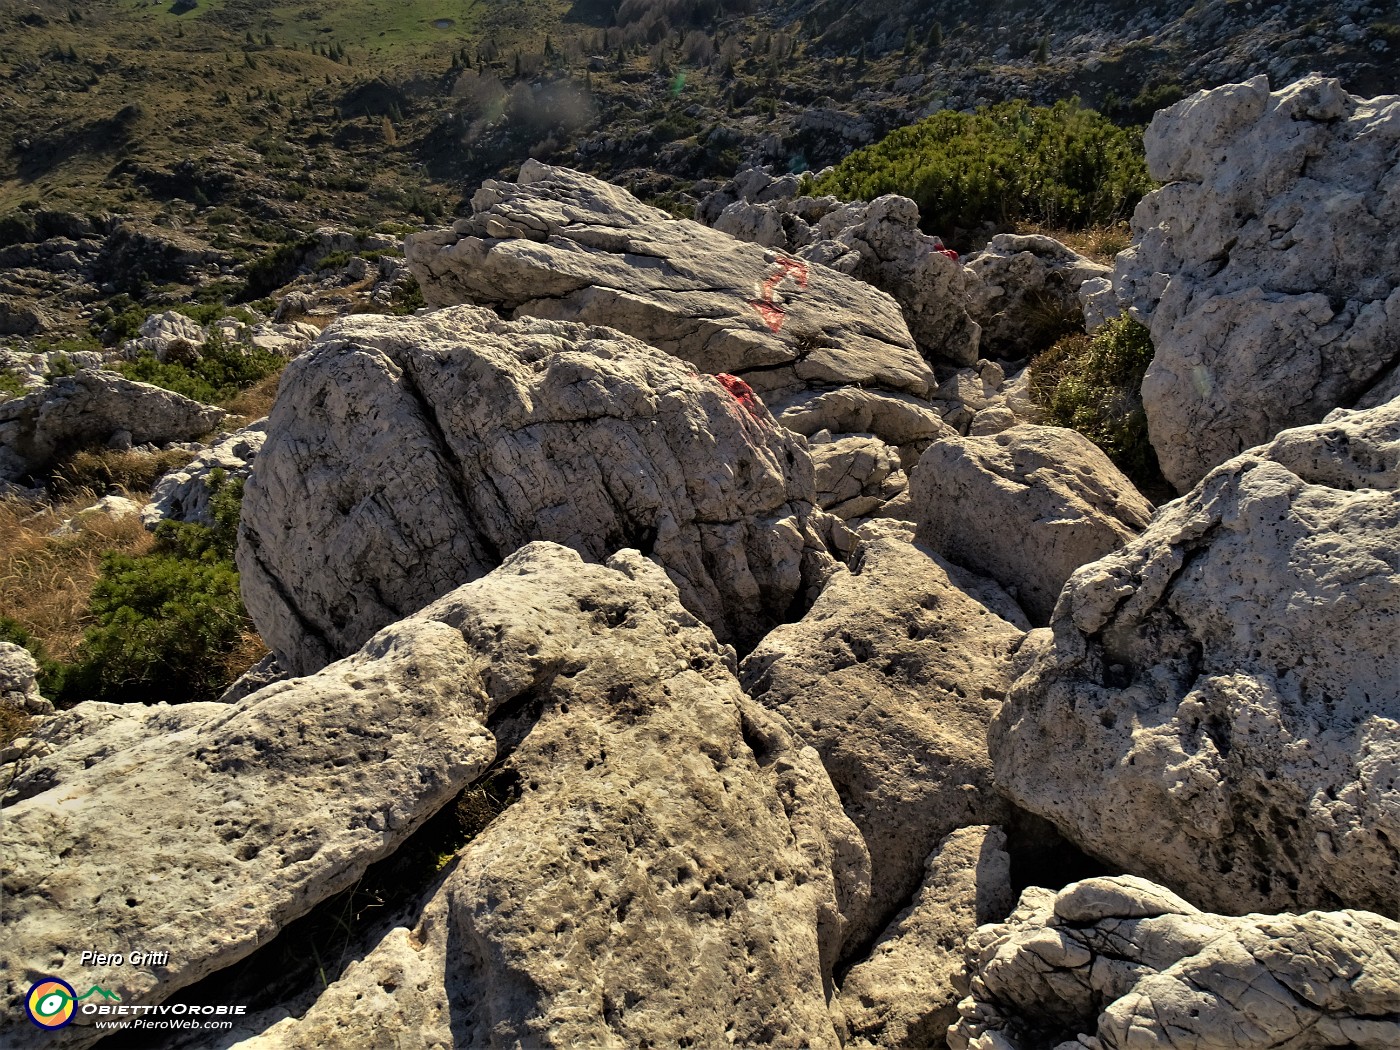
(1093, 384)
(219, 372)
(165, 622)
(11, 385)
(1063, 166)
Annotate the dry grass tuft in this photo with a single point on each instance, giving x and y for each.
(46, 581)
(104, 470)
(1099, 243)
(253, 403)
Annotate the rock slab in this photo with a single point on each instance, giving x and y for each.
(1122, 964)
(1026, 506)
(677, 870)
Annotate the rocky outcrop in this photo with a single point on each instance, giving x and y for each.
(1216, 707)
(1027, 292)
(670, 841)
(880, 242)
(184, 494)
(21, 318)
(1267, 269)
(1121, 964)
(905, 995)
(893, 676)
(88, 408)
(407, 455)
(168, 336)
(1027, 506)
(565, 246)
(676, 869)
(19, 686)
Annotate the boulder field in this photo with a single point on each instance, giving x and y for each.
(727, 655)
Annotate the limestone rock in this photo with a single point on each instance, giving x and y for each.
(856, 474)
(879, 242)
(909, 423)
(1216, 708)
(1267, 269)
(1121, 964)
(1027, 506)
(87, 408)
(1028, 288)
(183, 494)
(169, 336)
(905, 995)
(212, 837)
(893, 676)
(562, 245)
(676, 870)
(108, 508)
(407, 455)
(19, 687)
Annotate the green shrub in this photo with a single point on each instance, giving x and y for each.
(222, 370)
(164, 624)
(333, 261)
(1093, 384)
(1063, 166)
(11, 385)
(167, 621)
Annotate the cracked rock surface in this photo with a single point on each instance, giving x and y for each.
(1267, 268)
(893, 676)
(1027, 506)
(677, 870)
(1122, 964)
(1216, 705)
(563, 245)
(405, 456)
(89, 408)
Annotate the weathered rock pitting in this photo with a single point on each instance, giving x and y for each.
(676, 871)
(1216, 707)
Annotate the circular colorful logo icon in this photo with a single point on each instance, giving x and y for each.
(50, 1003)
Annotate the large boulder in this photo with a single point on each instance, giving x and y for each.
(676, 870)
(893, 676)
(19, 317)
(405, 456)
(562, 245)
(89, 408)
(1216, 706)
(1267, 269)
(1026, 506)
(671, 839)
(1121, 964)
(1027, 294)
(19, 685)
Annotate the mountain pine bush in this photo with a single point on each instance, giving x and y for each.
(1063, 166)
